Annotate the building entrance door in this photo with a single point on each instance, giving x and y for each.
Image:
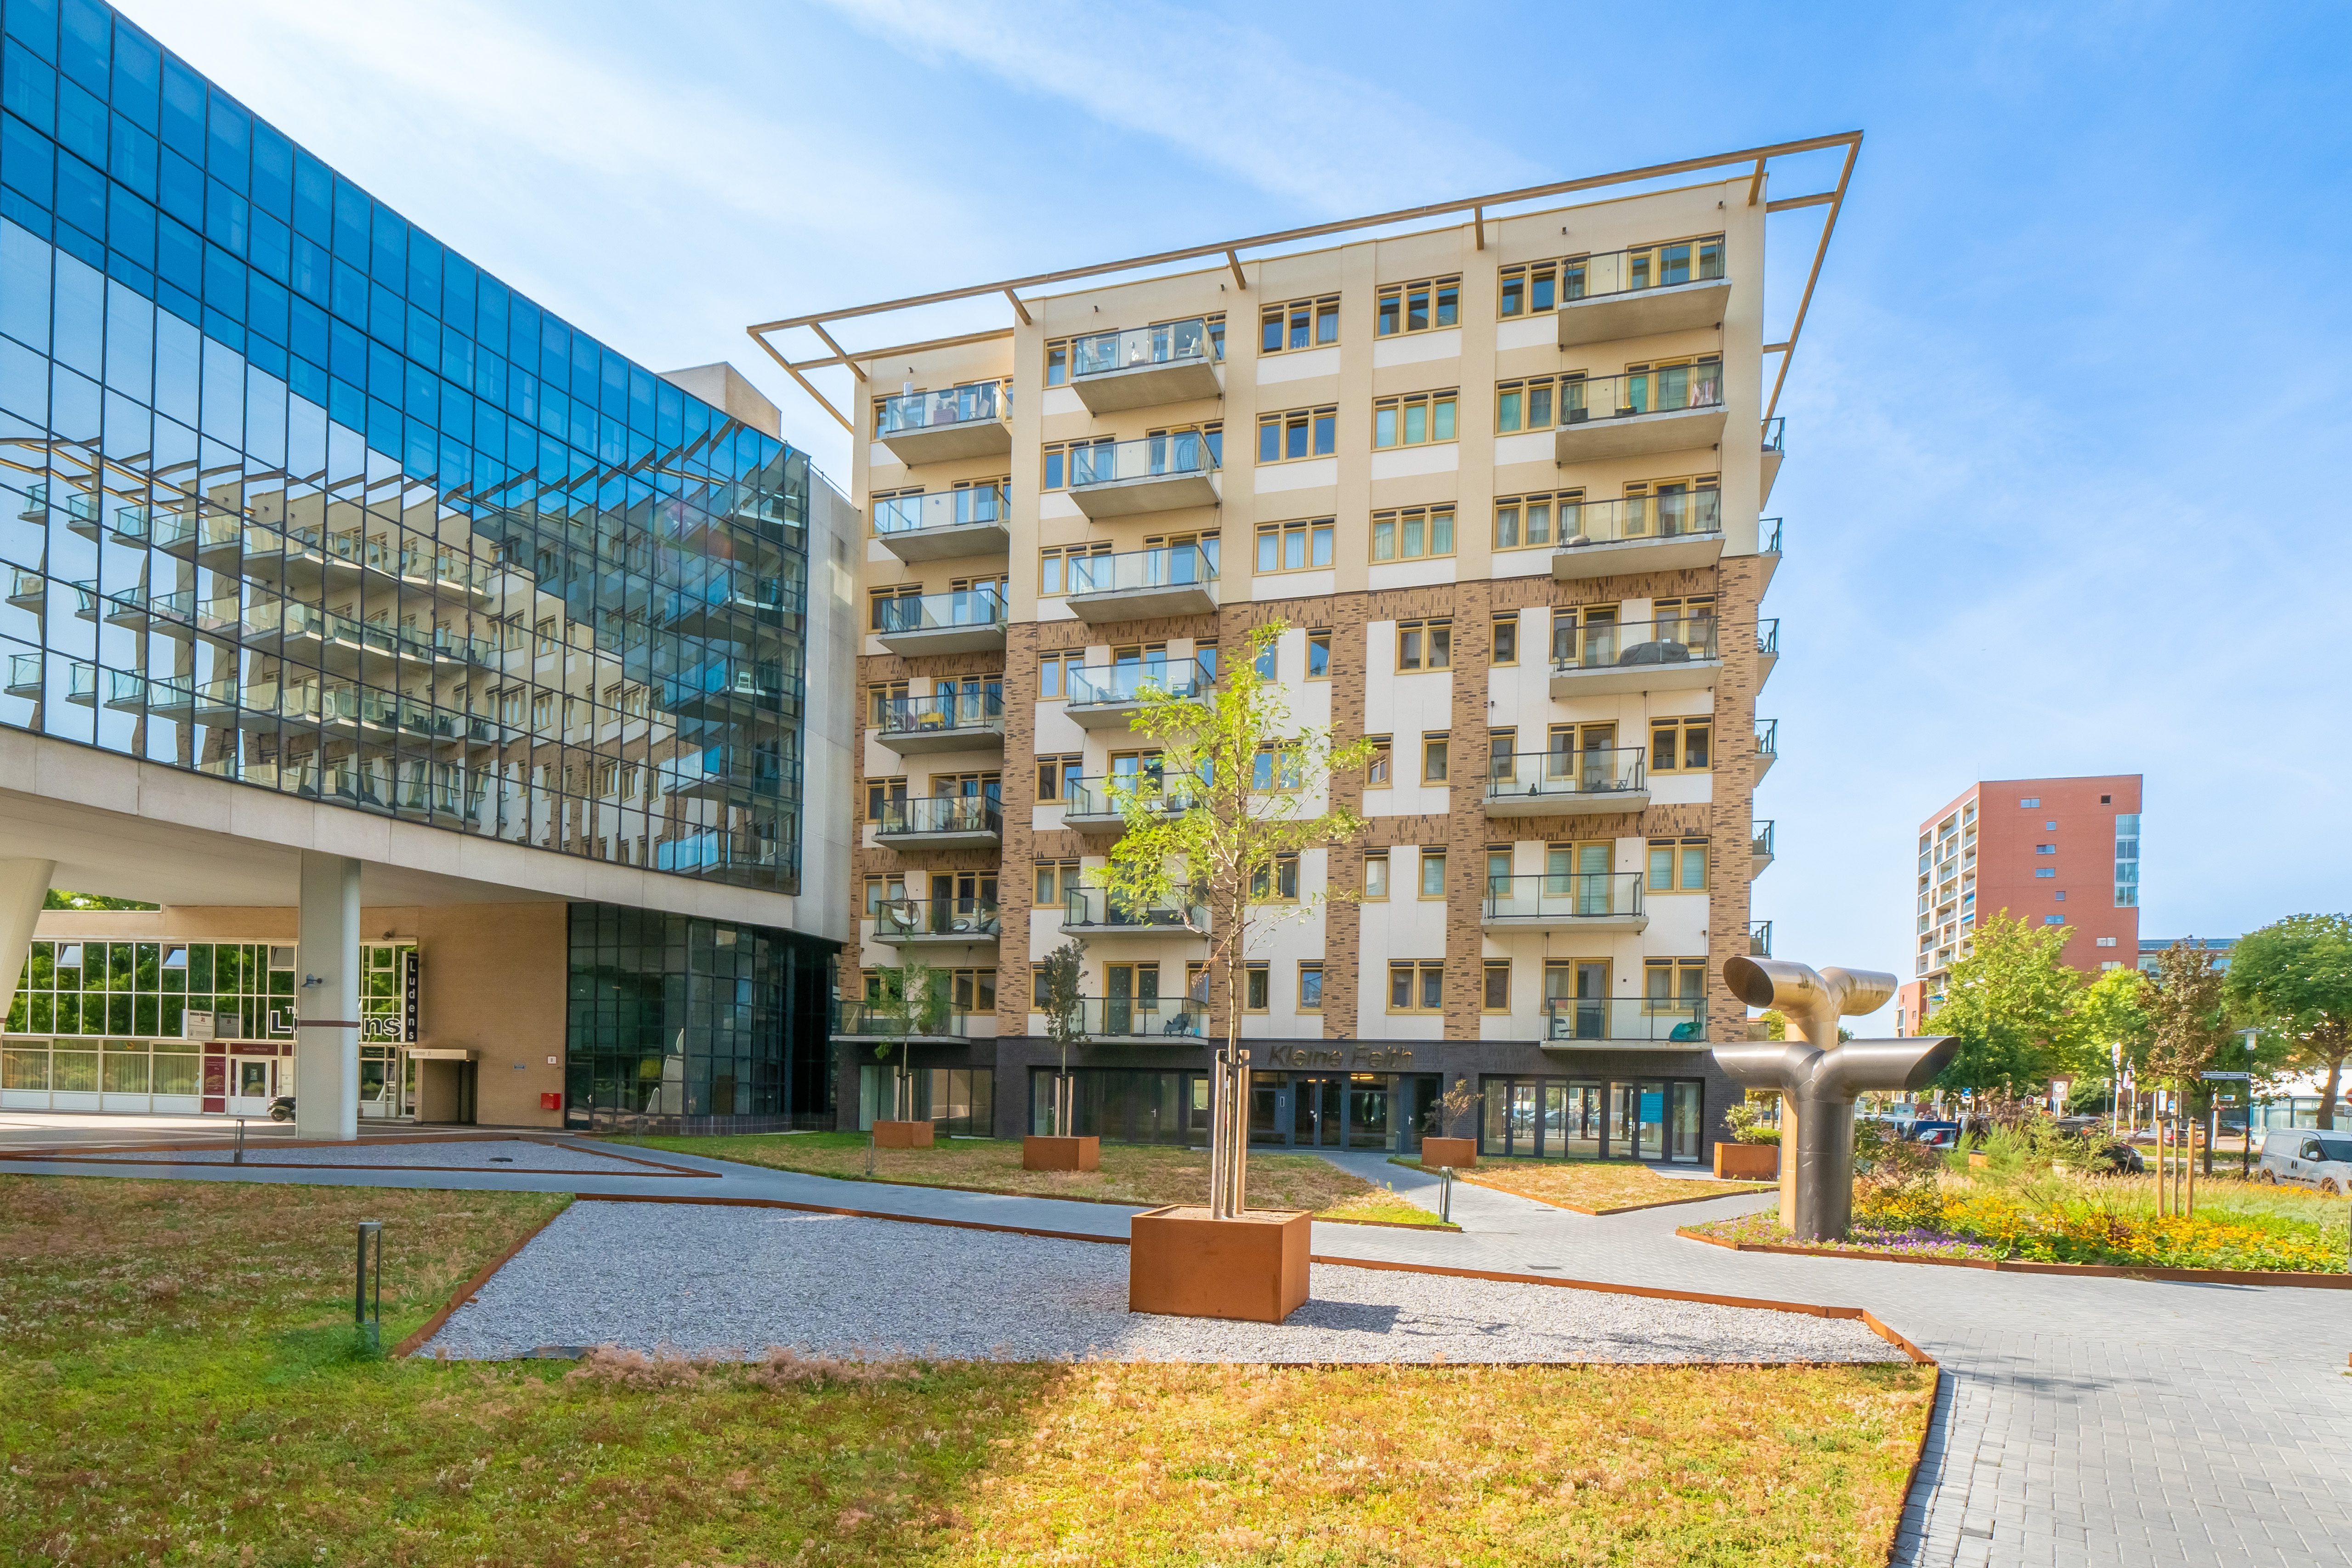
(1637, 1121)
(1316, 1112)
(252, 1084)
(1367, 1112)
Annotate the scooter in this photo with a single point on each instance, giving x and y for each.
(282, 1108)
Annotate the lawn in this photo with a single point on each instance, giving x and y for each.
(1130, 1173)
(1595, 1186)
(178, 1384)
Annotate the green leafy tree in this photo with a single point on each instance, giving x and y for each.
(1061, 977)
(1253, 791)
(913, 999)
(2112, 1016)
(2010, 1002)
(2188, 1027)
(59, 898)
(2292, 981)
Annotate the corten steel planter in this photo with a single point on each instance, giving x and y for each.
(1747, 1162)
(902, 1135)
(1185, 1263)
(1047, 1154)
(1461, 1153)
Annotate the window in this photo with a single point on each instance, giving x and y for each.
(1412, 533)
(1376, 876)
(1053, 573)
(1432, 757)
(1662, 385)
(1293, 547)
(2030, 802)
(1414, 419)
(1196, 980)
(544, 637)
(1257, 982)
(1056, 880)
(1425, 645)
(1302, 323)
(2059, 897)
(1417, 987)
(1528, 289)
(1318, 655)
(1310, 986)
(1300, 433)
(1067, 459)
(1269, 662)
(1538, 403)
(1681, 744)
(1433, 873)
(2106, 942)
(2126, 860)
(881, 890)
(2045, 849)
(1431, 305)
(1677, 865)
(1495, 995)
(2053, 920)
(882, 794)
(1057, 362)
(1672, 984)
(1056, 774)
(1524, 522)
(878, 698)
(1376, 768)
(1054, 672)
(878, 601)
(2043, 873)
(1505, 637)
(974, 990)
(2049, 827)
(1276, 883)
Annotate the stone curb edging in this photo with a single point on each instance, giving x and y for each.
(466, 1292)
(115, 1157)
(488, 1134)
(2022, 1266)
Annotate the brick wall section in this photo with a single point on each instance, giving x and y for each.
(1343, 919)
(1016, 888)
(1467, 826)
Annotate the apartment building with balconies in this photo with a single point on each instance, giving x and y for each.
(2054, 851)
(1501, 478)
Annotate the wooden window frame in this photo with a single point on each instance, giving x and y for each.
(1504, 631)
(1523, 419)
(1257, 986)
(1418, 972)
(1276, 883)
(1309, 967)
(1440, 301)
(1515, 517)
(1425, 646)
(1438, 407)
(1053, 571)
(880, 790)
(1393, 526)
(1430, 855)
(1317, 429)
(1487, 969)
(1380, 768)
(1053, 772)
(1317, 309)
(1677, 864)
(879, 696)
(1380, 860)
(1308, 532)
(1526, 280)
(1676, 970)
(875, 596)
(1680, 728)
(1318, 640)
(1436, 745)
(1065, 874)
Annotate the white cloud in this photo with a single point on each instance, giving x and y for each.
(1236, 96)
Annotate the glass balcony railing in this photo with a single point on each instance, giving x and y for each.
(1650, 267)
(978, 709)
(26, 587)
(1537, 775)
(23, 674)
(962, 608)
(154, 693)
(1768, 637)
(1772, 432)
(1762, 841)
(969, 404)
(1169, 343)
(943, 509)
(1095, 909)
(81, 683)
(1174, 454)
(1139, 1018)
(1608, 644)
(1674, 515)
(941, 814)
(1564, 895)
(1176, 566)
(885, 1020)
(1767, 536)
(1099, 795)
(1098, 685)
(1666, 390)
(1768, 737)
(972, 919)
(1662, 1019)
(1759, 939)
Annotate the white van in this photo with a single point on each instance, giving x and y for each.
(2307, 1158)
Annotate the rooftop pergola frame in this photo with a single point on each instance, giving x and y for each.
(1754, 160)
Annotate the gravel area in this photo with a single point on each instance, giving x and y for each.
(735, 1281)
(488, 1155)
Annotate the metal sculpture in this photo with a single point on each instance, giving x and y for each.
(1818, 1078)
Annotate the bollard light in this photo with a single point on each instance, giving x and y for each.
(367, 1284)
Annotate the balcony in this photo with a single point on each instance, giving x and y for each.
(1091, 802)
(1108, 696)
(1768, 746)
(964, 621)
(1767, 650)
(1640, 1021)
(969, 420)
(1142, 366)
(1094, 912)
(1156, 474)
(933, 1021)
(1638, 293)
(24, 675)
(1672, 409)
(1140, 1020)
(1772, 469)
(160, 696)
(944, 523)
(1679, 529)
(1768, 550)
(1567, 783)
(1180, 580)
(959, 721)
(1759, 939)
(1565, 901)
(27, 589)
(935, 922)
(941, 822)
(81, 684)
(1596, 659)
(1760, 850)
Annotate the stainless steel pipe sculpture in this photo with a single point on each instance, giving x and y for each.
(1818, 1078)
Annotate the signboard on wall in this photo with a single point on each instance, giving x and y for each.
(408, 988)
(194, 1025)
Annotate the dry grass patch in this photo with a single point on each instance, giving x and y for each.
(1599, 1187)
(1143, 1175)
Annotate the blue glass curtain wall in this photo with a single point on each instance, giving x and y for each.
(293, 494)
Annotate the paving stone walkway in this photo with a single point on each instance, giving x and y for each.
(2082, 1421)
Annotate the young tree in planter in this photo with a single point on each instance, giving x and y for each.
(2293, 981)
(1060, 977)
(1238, 794)
(2189, 1023)
(914, 1001)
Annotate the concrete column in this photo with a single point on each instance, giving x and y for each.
(327, 999)
(24, 888)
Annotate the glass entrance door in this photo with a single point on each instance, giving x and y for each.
(1269, 1097)
(1131, 998)
(1316, 1112)
(1637, 1121)
(1367, 1112)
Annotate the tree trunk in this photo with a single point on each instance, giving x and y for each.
(2328, 1100)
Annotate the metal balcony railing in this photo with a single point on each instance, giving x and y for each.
(963, 607)
(943, 509)
(973, 918)
(1094, 795)
(1648, 267)
(978, 709)
(1169, 343)
(1767, 636)
(1539, 775)
(1176, 566)
(972, 403)
(1759, 939)
(1095, 909)
(1666, 390)
(1098, 685)
(1772, 432)
(941, 814)
(1139, 1018)
(1768, 737)
(1674, 515)
(1172, 455)
(1763, 842)
(1564, 895)
(1612, 643)
(1767, 536)
(935, 1018)
(1661, 1019)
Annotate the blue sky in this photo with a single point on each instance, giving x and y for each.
(2065, 434)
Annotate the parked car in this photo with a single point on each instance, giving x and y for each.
(2298, 1156)
(2120, 1158)
(1937, 1134)
(282, 1108)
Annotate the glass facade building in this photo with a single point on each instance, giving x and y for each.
(294, 496)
